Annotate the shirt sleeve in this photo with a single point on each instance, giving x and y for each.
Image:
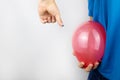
(90, 7)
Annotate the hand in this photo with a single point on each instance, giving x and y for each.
(49, 13)
(91, 18)
(89, 67)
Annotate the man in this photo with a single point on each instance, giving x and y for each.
(106, 12)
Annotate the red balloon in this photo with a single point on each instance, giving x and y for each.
(89, 42)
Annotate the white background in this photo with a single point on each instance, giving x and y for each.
(30, 50)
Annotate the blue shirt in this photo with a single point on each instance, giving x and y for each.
(107, 12)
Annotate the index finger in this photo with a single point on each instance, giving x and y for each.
(59, 20)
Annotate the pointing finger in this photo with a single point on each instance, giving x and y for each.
(59, 20)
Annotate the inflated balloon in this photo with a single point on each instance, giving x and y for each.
(89, 42)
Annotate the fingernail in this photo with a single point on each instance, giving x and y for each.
(62, 25)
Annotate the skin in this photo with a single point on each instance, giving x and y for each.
(49, 13)
(89, 67)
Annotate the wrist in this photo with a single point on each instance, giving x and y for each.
(47, 1)
(91, 18)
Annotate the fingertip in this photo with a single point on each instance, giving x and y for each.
(59, 20)
(90, 65)
(96, 65)
(80, 66)
(43, 21)
(62, 25)
(82, 63)
(89, 68)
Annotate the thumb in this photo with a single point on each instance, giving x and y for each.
(59, 20)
